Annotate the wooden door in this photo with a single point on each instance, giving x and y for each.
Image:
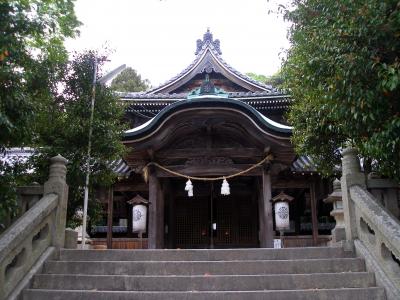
(192, 222)
(236, 220)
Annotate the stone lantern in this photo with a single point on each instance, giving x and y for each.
(338, 233)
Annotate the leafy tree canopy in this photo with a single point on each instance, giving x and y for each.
(275, 79)
(69, 113)
(31, 48)
(343, 71)
(130, 81)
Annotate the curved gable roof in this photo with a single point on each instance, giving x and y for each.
(208, 59)
(264, 124)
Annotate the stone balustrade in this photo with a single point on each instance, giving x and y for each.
(36, 235)
(387, 192)
(28, 196)
(372, 227)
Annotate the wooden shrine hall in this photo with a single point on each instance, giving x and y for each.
(209, 150)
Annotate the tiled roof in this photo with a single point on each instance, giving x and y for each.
(303, 164)
(120, 168)
(213, 46)
(13, 155)
(149, 105)
(179, 96)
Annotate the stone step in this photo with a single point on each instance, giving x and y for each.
(314, 294)
(300, 266)
(205, 254)
(204, 282)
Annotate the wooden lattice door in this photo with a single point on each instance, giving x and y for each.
(192, 222)
(236, 220)
(235, 216)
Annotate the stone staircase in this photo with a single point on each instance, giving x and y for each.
(291, 273)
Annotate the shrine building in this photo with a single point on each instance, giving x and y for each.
(209, 151)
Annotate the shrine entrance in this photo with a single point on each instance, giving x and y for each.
(210, 137)
(210, 220)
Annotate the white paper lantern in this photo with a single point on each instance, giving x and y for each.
(139, 218)
(282, 215)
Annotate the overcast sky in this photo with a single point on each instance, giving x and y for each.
(158, 37)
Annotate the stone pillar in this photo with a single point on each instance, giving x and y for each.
(156, 213)
(265, 207)
(351, 175)
(57, 185)
(338, 233)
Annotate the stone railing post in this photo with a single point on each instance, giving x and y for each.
(56, 184)
(351, 175)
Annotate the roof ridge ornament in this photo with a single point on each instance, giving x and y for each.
(208, 41)
(207, 88)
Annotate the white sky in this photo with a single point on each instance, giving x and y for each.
(158, 37)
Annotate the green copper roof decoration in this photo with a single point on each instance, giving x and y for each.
(207, 88)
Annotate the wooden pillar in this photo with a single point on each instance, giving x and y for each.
(314, 218)
(265, 210)
(156, 213)
(110, 212)
(172, 222)
(169, 211)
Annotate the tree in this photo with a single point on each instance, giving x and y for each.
(31, 58)
(275, 79)
(130, 81)
(68, 112)
(12, 174)
(343, 72)
(31, 49)
(259, 77)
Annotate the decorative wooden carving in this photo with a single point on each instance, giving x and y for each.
(137, 165)
(209, 161)
(275, 168)
(192, 142)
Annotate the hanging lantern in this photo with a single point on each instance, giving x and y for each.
(281, 205)
(139, 214)
(189, 188)
(139, 218)
(225, 189)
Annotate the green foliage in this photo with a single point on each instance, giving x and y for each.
(31, 47)
(12, 174)
(130, 81)
(31, 57)
(343, 72)
(275, 79)
(259, 77)
(69, 115)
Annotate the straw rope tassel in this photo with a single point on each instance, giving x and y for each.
(225, 189)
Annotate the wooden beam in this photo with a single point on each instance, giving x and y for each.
(131, 187)
(287, 184)
(110, 217)
(195, 152)
(208, 170)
